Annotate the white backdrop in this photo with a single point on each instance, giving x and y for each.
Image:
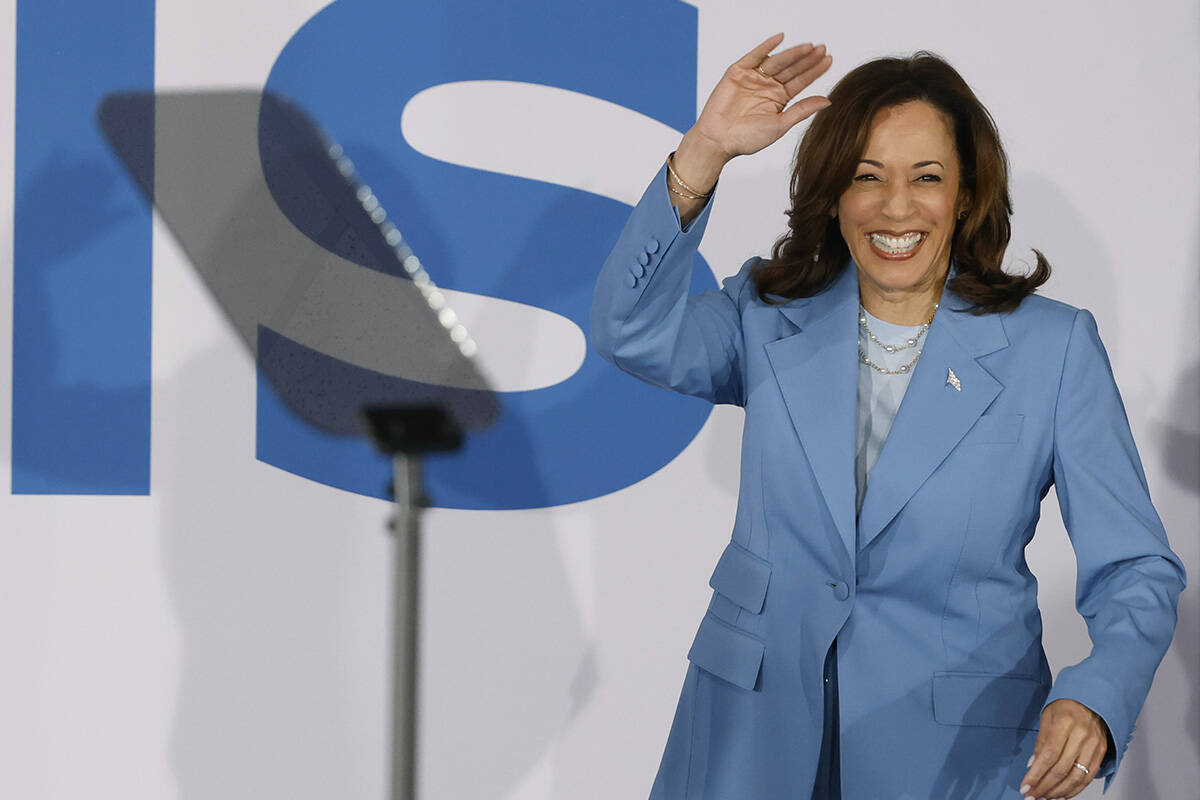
(226, 636)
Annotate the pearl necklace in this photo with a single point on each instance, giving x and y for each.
(903, 369)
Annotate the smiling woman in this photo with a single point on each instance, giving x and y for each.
(898, 215)
(874, 629)
(895, 124)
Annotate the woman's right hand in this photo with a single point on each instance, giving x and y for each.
(748, 110)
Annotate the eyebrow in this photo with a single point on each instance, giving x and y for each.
(917, 165)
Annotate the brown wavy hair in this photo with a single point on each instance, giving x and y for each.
(829, 153)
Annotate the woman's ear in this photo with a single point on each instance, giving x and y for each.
(964, 205)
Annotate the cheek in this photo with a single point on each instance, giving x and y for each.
(946, 221)
(852, 211)
(854, 207)
(943, 205)
(849, 237)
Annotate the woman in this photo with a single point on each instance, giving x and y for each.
(873, 631)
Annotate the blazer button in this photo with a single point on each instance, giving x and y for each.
(631, 280)
(637, 270)
(840, 590)
(652, 246)
(643, 258)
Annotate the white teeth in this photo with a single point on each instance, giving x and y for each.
(896, 244)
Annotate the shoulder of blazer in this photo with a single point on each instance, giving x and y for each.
(1038, 310)
(1039, 322)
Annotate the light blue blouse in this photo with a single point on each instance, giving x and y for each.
(879, 395)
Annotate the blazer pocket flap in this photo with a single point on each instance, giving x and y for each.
(727, 652)
(995, 429)
(742, 577)
(993, 701)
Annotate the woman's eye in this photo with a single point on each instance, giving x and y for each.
(930, 178)
(865, 177)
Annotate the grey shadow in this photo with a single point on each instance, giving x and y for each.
(1070, 243)
(264, 706)
(264, 703)
(233, 173)
(1178, 434)
(1178, 438)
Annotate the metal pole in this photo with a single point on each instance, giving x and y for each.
(406, 527)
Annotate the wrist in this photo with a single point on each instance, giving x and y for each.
(699, 161)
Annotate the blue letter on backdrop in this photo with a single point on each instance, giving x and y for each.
(355, 65)
(81, 255)
(82, 271)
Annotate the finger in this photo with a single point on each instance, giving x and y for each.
(786, 72)
(1060, 775)
(1046, 752)
(798, 83)
(1078, 780)
(759, 54)
(800, 111)
(775, 65)
(1095, 760)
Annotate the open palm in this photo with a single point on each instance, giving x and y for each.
(748, 110)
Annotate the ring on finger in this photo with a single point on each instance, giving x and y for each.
(762, 72)
(1086, 771)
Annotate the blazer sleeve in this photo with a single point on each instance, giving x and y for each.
(1129, 580)
(644, 322)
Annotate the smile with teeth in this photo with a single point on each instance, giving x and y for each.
(896, 245)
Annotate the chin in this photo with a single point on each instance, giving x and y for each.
(895, 276)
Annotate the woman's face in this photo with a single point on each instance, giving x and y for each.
(899, 213)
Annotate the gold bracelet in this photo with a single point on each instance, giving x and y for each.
(682, 182)
(682, 194)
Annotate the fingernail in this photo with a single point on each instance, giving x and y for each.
(1029, 763)
(1024, 789)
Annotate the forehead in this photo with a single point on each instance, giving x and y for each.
(915, 129)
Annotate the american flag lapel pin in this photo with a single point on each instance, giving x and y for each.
(952, 380)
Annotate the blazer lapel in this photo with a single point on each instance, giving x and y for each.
(816, 369)
(935, 414)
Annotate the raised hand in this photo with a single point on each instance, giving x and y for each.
(748, 110)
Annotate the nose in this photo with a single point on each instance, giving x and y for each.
(897, 200)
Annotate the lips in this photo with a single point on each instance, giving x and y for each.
(896, 247)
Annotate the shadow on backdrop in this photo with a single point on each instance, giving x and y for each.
(322, 291)
(328, 336)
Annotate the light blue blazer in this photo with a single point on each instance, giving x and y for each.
(940, 662)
